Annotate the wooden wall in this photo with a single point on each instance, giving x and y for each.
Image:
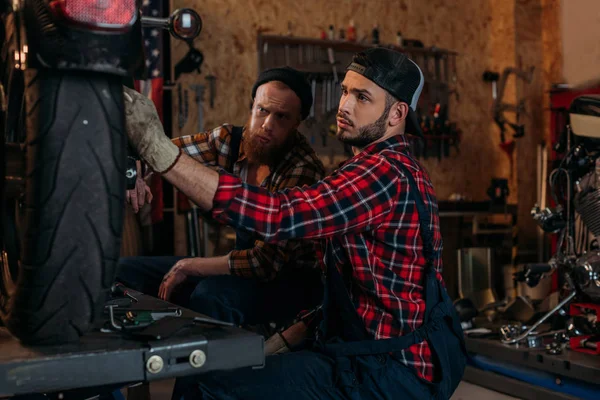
(483, 32)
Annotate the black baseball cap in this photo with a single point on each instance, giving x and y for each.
(396, 73)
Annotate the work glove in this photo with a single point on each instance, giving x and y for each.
(146, 134)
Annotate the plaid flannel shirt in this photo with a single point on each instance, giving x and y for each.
(300, 166)
(364, 211)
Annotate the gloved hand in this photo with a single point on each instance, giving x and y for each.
(146, 133)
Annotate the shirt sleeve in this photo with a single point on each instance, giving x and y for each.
(265, 260)
(211, 148)
(355, 198)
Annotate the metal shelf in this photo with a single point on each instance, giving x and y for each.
(344, 45)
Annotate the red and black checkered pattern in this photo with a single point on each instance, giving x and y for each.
(365, 212)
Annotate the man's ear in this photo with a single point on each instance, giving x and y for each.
(298, 122)
(398, 113)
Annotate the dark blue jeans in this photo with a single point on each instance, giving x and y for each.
(310, 375)
(228, 298)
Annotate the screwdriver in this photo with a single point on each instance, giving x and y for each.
(118, 289)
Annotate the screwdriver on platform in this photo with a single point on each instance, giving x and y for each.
(117, 289)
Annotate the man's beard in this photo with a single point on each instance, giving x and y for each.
(265, 154)
(366, 134)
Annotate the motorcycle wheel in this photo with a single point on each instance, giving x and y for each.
(72, 209)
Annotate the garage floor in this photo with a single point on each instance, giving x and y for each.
(465, 391)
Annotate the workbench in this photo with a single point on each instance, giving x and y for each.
(103, 359)
(569, 365)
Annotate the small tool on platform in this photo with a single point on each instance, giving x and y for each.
(117, 289)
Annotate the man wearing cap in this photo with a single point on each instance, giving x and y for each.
(257, 282)
(389, 329)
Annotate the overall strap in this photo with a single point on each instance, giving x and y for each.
(431, 292)
(354, 332)
(243, 239)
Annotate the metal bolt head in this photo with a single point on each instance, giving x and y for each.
(155, 364)
(197, 358)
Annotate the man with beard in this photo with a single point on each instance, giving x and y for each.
(389, 329)
(256, 282)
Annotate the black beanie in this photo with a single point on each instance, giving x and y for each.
(296, 81)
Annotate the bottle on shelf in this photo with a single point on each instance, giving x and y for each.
(351, 34)
(399, 41)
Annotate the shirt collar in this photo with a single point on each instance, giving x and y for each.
(396, 142)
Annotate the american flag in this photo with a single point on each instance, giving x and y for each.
(153, 88)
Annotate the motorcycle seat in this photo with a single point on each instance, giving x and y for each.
(584, 114)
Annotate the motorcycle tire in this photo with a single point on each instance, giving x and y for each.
(73, 206)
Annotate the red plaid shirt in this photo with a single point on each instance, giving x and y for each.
(365, 212)
(299, 166)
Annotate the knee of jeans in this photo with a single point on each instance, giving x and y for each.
(204, 296)
(214, 306)
(126, 270)
(131, 272)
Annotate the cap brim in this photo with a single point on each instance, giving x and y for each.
(412, 124)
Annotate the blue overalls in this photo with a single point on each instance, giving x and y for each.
(345, 363)
(244, 240)
(441, 328)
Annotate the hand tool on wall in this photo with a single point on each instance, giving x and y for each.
(437, 64)
(425, 67)
(309, 123)
(287, 54)
(199, 92)
(313, 87)
(446, 74)
(328, 97)
(183, 109)
(331, 58)
(500, 107)
(490, 76)
(437, 129)
(454, 78)
(426, 128)
(323, 96)
(447, 133)
(212, 89)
